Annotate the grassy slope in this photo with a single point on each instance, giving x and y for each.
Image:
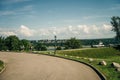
(93, 53)
(98, 54)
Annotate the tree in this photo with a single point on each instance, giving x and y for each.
(73, 43)
(2, 43)
(12, 43)
(40, 47)
(24, 44)
(116, 26)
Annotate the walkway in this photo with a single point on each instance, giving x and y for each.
(22, 66)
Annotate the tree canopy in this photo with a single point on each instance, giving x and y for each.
(12, 43)
(115, 22)
(72, 43)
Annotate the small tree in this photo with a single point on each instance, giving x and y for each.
(73, 43)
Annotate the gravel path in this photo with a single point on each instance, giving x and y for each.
(22, 66)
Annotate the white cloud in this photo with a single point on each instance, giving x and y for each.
(80, 31)
(107, 27)
(84, 28)
(25, 31)
(70, 28)
(7, 33)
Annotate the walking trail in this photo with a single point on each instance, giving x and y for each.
(24, 66)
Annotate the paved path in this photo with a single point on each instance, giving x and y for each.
(22, 66)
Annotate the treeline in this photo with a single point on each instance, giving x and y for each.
(105, 41)
(13, 43)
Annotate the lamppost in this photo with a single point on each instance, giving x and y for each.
(55, 44)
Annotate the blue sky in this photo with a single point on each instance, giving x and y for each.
(42, 19)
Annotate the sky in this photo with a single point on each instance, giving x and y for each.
(43, 19)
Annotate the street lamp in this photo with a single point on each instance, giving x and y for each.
(55, 44)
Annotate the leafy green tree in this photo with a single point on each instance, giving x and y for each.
(40, 47)
(115, 22)
(25, 44)
(43, 48)
(12, 43)
(2, 43)
(73, 43)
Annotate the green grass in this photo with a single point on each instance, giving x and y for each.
(1, 65)
(92, 53)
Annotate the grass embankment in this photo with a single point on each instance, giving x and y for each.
(1, 65)
(98, 54)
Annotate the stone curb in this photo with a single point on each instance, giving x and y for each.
(96, 70)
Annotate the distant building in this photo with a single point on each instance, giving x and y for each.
(99, 45)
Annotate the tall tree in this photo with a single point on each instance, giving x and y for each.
(115, 22)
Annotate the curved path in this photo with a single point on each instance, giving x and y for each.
(22, 66)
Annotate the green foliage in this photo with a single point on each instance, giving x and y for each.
(25, 44)
(116, 26)
(59, 48)
(12, 43)
(73, 43)
(2, 43)
(43, 48)
(40, 47)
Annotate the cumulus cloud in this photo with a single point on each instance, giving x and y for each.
(7, 33)
(24, 30)
(80, 31)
